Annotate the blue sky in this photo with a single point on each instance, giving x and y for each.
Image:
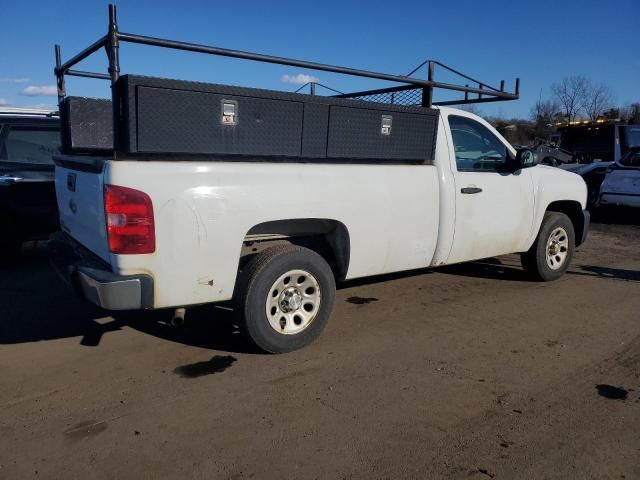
(539, 41)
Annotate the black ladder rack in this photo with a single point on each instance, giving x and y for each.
(394, 123)
(422, 88)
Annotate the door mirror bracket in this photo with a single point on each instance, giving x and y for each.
(525, 158)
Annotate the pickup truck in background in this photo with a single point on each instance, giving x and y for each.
(614, 183)
(28, 140)
(254, 221)
(599, 141)
(589, 149)
(621, 184)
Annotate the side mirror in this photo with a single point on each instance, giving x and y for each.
(525, 158)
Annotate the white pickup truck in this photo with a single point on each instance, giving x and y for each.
(274, 237)
(178, 233)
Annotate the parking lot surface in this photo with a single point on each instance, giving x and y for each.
(469, 371)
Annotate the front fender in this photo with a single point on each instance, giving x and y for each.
(558, 190)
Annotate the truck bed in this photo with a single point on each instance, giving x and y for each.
(391, 213)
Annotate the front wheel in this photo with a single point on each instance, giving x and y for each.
(284, 297)
(550, 255)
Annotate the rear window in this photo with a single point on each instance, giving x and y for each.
(634, 137)
(632, 160)
(29, 144)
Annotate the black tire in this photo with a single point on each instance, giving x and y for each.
(254, 289)
(535, 261)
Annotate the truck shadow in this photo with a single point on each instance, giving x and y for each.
(619, 274)
(506, 268)
(499, 269)
(35, 305)
(211, 327)
(615, 216)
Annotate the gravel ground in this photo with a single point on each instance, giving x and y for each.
(470, 371)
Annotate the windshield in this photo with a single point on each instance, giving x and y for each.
(29, 144)
(632, 159)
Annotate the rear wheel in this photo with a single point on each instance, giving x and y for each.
(284, 297)
(550, 255)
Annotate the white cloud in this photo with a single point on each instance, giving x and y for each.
(42, 106)
(33, 91)
(299, 79)
(15, 80)
(4, 102)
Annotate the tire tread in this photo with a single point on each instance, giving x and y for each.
(534, 260)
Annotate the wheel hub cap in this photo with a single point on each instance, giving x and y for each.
(290, 300)
(557, 248)
(293, 302)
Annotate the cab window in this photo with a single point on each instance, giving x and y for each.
(29, 144)
(476, 148)
(632, 159)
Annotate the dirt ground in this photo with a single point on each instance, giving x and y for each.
(470, 371)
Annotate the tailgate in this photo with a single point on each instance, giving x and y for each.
(79, 193)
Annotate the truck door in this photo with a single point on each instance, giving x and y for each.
(494, 208)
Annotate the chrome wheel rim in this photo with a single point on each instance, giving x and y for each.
(557, 248)
(293, 302)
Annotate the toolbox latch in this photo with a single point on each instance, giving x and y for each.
(229, 112)
(386, 125)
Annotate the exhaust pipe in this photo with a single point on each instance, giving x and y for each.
(178, 317)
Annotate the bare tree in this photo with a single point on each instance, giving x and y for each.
(599, 99)
(571, 94)
(544, 113)
(631, 113)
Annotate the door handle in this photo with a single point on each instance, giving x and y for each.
(8, 180)
(469, 190)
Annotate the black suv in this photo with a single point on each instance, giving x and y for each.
(28, 211)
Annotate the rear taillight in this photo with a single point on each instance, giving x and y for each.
(130, 226)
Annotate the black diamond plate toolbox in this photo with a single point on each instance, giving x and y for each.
(172, 117)
(87, 125)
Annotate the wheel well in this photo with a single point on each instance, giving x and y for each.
(573, 210)
(328, 238)
(594, 180)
